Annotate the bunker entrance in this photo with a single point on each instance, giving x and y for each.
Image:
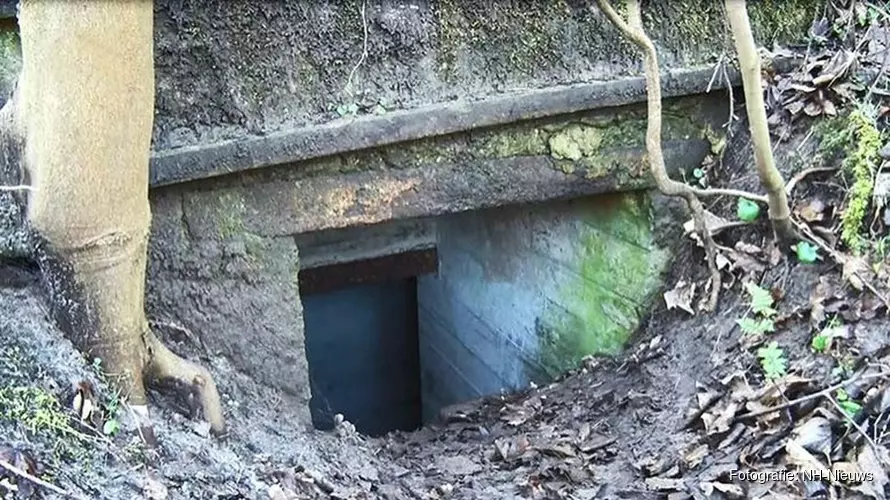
(407, 318)
(361, 333)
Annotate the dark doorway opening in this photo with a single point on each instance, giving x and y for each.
(362, 346)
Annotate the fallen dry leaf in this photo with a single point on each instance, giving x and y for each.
(457, 466)
(665, 484)
(857, 271)
(811, 210)
(797, 455)
(877, 464)
(153, 489)
(693, 457)
(681, 296)
(815, 435)
(732, 491)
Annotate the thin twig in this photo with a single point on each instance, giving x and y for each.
(361, 59)
(856, 426)
(808, 397)
(728, 124)
(34, 479)
(803, 174)
(20, 187)
(717, 66)
(728, 192)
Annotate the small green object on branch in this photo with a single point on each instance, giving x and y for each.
(807, 253)
(747, 210)
(851, 408)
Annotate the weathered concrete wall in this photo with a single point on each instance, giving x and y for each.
(229, 69)
(555, 157)
(523, 293)
(234, 290)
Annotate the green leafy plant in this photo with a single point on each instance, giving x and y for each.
(820, 343)
(824, 339)
(762, 307)
(773, 361)
(111, 405)
(850, 407)
(761, 299)
(753, 326)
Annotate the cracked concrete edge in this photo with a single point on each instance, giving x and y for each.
(347, 135)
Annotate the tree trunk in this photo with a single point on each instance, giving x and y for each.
(86, 105)
(770, 177)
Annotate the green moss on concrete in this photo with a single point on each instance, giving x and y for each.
(255, 246)
(592, 144)
(230, 214)
(525, 39)
(619, 268)
(784, 21)
(10, 58)
(698, 29)
(509, 141)
(536, 38)
(575, 142)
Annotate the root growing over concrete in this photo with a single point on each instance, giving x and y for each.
(633, 30)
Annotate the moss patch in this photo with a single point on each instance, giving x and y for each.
(10, 59)
(525, 39)
(36, 413)
(541, 36)
(856, 138)
(230, 214)
(619, 268)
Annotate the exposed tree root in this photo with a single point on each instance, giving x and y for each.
(165, 364)
(633, 30)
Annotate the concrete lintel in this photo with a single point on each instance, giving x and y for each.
(326, 248)
(341, 136)
(366, 198)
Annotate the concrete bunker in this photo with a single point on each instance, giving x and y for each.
(407, 317)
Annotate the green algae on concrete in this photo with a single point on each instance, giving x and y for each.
(525, 39)
(540, 37)
(10, 59)
(619, 269)
(230, 214)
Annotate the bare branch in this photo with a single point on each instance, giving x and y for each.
(34, 479)
(17, 188)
